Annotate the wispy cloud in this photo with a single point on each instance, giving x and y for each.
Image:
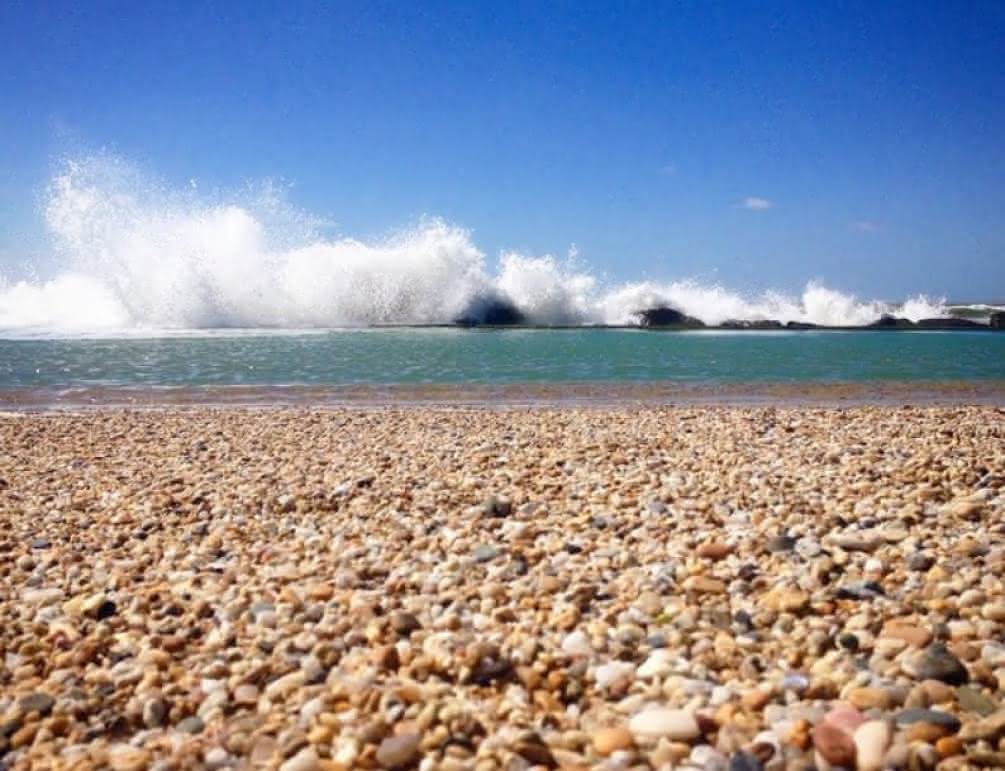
(863, 226)
(756, 204)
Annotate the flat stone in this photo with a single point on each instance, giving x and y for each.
(704, 585)
(972, 700)
(38, 701)
(305, 760)
(714, 550)
(870, 698)
(872, 740)
(40, 542)
(934, 716)
(191, 725)
(778, 544)
(912, 634)
(398, 750)
(937, 663)
(664, 723)
(834, 745)
(485, 553)
(609, 740)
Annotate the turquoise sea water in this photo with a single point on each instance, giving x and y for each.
(418, 356)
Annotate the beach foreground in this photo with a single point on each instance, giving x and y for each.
(705, 586)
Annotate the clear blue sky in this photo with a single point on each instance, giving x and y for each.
(757, 143)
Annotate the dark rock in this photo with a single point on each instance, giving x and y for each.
(489, 669)
(40, 543)
(491, 310)
(933, 716)
(105, 610)
(920, 561)
(860, 590)
(404, 623)
(662, 317)
(780, 543)
(950, 322)
(886, 321)
(937, 663)
(997, 320)
(848, 641)
(744, 761)
(655, 641)
(801, 325)
(752, 324)
(533, 749)
(38, 701)
(497, 507)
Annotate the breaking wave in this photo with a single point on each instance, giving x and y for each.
(129, 253)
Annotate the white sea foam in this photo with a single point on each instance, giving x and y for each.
(132, 254)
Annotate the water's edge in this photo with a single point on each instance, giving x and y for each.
(813, 394)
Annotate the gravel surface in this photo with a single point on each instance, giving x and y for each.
(693, 587)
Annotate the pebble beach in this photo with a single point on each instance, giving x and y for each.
(702, 587)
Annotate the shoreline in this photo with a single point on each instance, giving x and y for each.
(325, 588)
(544, 395)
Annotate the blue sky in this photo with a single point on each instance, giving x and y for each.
(759, 144)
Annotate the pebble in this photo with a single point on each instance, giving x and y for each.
(305, 760)
(664, 723)
(872, 740)
(607, 741)
(398, 750)
(937, 663)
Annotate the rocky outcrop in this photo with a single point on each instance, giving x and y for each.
(663, 317)
(886, 321)
(491, 311)
(997, 320)
(950, 322)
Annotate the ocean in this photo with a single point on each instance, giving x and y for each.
(141, 286)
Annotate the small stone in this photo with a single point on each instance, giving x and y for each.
(920, 561)
(937, 663)
(123, 757)
(834, 745)
(485, 553)
(39, 701)
(869, 698)
(872, 740)
(154, 712)
(744, 761)
(216, 757)
(497, 507)
(972, 700)
(191, 725)
(845, 718)
(404, 624)
(704, 585)
(780, 543)
(949, 746)
(664, 723)
(714, 550)
(398, 750)
(40, 543)
(608, 740)
(912, 634)
(933, 716)
(921, 731)
(305, 760)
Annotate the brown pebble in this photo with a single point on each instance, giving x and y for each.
(923, 731)
(834, 745)
(608, 740)
(949, 746)
(714, 550)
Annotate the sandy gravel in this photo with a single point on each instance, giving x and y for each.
(694, 587)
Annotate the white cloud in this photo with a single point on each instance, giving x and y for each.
(756, 204)
(863, 226)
